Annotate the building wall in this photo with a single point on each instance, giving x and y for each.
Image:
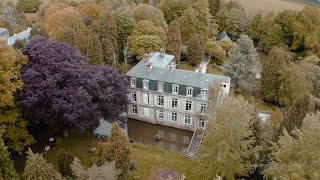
(166, 108)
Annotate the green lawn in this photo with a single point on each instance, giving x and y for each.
(186, 65)
(149, 159)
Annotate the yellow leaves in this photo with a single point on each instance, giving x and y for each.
(61, 20)
(146, 38)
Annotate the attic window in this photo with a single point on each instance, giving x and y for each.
(133, 82)
(189, 91)
(145, 84)
(175, 89)
(204, 94)
(160, 86)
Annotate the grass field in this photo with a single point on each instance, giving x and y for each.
(264, 6)
(149, 159)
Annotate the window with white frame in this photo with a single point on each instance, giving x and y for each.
(146, 112)
(203, 108)
(189, 91)
(134, 109)
(146, 98)
(174, 116)
(204, 94)
(187, 119)
(160, 114)
(145, 84)
(134, 96)
(133, 82)
(175, 89)
(188, 105)
(201, 123)
(160, 100)
(174, 103)
(160, 86)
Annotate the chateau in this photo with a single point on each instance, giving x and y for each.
(161, 94)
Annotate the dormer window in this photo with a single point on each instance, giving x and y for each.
(189, 91)
(204, 94)
(133, 82)
(145, 84)
(160, 86)
(175, 89)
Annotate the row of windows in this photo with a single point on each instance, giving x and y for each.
(175, 88)
(174, 103)
(187, 119)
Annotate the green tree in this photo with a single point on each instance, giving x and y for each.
(107, 29)
(273, 70)
(116, 149)
(146, 38)
(216, 52)
(275, 37)
(28, 6)
(254, 30)
(306, 32)
(264, 26)
(298, 79)
(242, 64)
(65, 159)
(223, 20)
(228, 144)
(16, 135)
(301, 106)
(37, 168)
(18, 44)
(174, 41)
(149, 13)
(125, 23)
(109, 52)
(105, 172)
(215, 6)
(297, 157)
(196, 49)
(286, 19)
(238, 21)
(197, 19)
(173, 9)
(7, 170)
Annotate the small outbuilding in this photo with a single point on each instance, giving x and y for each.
(223, 37)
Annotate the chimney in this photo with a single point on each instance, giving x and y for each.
(162, 52)
(149, 66)
(172, 66)
(145, 57)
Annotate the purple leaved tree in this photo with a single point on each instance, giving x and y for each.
(62, 91)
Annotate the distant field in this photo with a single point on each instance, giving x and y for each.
(263, 6)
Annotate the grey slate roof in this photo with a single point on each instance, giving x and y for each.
(158, 61)
(4, 33)
(178, 76)
(223, 35)
(24, 35)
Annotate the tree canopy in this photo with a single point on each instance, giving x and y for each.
(228, 144)
(16, 134)
(145, 38)
(62, 91)
(298, 156)
(242, 64)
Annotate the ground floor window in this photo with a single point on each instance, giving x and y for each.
(146, 112)
(134, 109)
(201, 123)
(174, 116)
(160, 114)
(187, 119)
